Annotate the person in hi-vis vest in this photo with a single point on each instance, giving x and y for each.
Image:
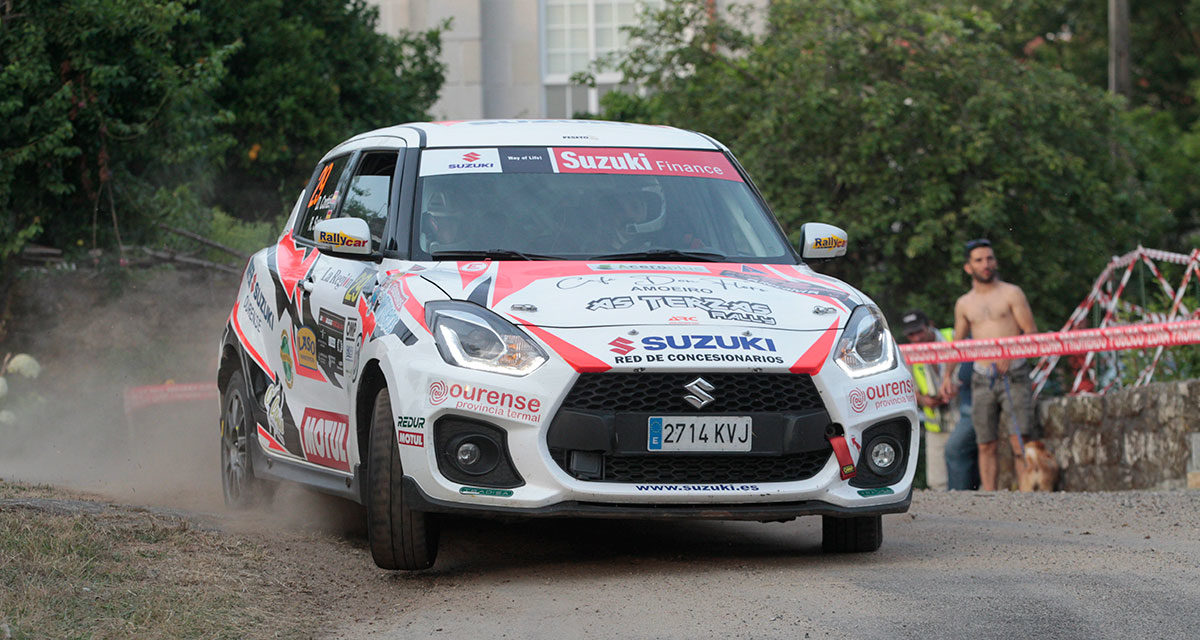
(938, 414)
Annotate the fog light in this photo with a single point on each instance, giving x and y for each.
(884, 455)
(474, 453)
(468, 454)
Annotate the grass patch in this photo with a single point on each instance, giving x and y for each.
(127, 573)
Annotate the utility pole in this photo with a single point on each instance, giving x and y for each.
(1118, 47)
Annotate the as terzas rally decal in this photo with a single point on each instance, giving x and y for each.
(484, 400)
(717, 308)
(879, 396)
(695, 348)
(324, 436)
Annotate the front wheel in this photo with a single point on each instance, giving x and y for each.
(851, 535)
(401, 538)
(242, 490)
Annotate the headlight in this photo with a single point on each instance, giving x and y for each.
(866, 347)
(470, 336)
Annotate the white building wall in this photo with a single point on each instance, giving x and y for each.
(493, 55)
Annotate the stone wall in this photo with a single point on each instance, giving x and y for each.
(1136, 438)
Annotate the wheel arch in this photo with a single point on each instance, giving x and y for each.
(372, 379)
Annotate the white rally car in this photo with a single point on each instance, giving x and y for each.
(558, 318)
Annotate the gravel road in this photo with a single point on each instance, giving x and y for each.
(1002, 565)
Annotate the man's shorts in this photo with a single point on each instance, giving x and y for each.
(996, 403)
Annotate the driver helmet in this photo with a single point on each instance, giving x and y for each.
(650, 198)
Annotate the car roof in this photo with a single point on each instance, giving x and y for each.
(540, 133)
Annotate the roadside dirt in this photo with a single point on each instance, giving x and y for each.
(959, 565)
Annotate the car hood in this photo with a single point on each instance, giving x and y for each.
(574, 294)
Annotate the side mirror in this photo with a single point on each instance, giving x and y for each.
(344, 235)
(820, 241)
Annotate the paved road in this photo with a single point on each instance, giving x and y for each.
(958, 565)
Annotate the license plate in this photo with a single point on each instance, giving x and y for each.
(699, 433)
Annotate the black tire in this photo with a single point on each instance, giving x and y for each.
(851, 535)
(242, 490)
(400, 537)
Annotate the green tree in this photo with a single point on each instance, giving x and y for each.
(911, 126)
(310, 73)
(98, 111)
(1165, 92)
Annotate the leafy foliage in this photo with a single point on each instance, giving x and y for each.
(116, 114)
(98, 107)
(911, 126)
(310, 73)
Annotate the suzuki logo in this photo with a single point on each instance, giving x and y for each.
(699, 397)
(471, 157)
(622, 346)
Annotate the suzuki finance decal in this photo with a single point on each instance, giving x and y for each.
(484, 400)
(717, 308)
(695, 348)
(647, 162)
(652, 162)
(324, 435)
(879, 396)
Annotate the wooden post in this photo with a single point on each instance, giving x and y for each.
(1118, 47)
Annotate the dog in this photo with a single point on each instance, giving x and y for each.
(1041, 470)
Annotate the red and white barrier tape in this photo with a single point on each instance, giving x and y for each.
(141, 397)
(1140, 336)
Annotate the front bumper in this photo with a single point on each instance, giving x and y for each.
(418, 500)
(548, 486)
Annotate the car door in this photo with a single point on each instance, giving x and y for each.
(336, 291)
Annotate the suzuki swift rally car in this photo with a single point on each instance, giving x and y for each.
(558, 318)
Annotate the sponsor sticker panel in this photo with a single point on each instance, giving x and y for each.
(881, 396)
(324, 436)
(479, 399)
(436, 162)
(695, 347)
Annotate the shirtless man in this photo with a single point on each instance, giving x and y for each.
(994, 309)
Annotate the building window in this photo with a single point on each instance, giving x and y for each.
(576, 32)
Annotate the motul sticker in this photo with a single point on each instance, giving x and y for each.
(324, 435)
(411, 438)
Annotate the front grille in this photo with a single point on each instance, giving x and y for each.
(661, 392)
(671, 469)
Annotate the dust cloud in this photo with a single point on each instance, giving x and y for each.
(97, 335)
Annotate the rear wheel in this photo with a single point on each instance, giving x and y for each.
(851, 535)
(400, 537)
(242, 490)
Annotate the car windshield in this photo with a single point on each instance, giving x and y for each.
(587, 203)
